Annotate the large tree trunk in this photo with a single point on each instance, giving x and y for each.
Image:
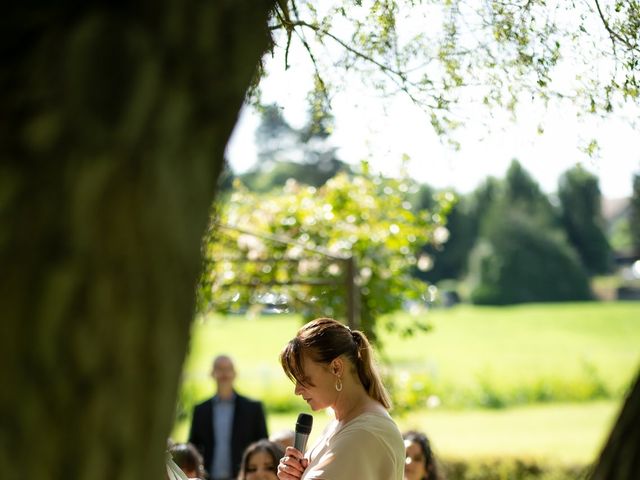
(620, 457)
(113, 123)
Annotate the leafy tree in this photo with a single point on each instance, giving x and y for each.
(295, 244)
(481, 199)
(274, 134)
(285, 152)
(450, 257)
(522, 193)
(424, 198)
(115, 119)
(518, 260)
(620, 235)
(480, 202)
(273, 176)
(494, 52)
(581, 217)
(522, 254)
(634, 215)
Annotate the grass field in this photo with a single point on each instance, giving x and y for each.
(565, 433)
(507, 351)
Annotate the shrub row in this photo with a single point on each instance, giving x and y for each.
(418, 391)
(412, 391)
(510, 469)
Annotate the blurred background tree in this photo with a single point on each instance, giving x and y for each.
(581, 216)
(284, 152)
(634, 217)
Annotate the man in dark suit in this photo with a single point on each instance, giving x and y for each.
(223, 426)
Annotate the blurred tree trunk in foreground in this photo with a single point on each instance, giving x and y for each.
(113, 123)
(620, 457)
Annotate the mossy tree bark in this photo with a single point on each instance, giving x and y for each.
(113, 123)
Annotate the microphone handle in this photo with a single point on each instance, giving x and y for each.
(300, 441)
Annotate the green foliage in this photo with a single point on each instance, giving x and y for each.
(286, 152)
(522, 193)
(295, 245)
(417, 390)
(450, 258)
(620, 235)
(634, 215)
(581, 217)
(273, 175)
(497, 52)
(522, 260)
(512, 469)
(521, 254)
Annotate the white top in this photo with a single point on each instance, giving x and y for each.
(369, 447)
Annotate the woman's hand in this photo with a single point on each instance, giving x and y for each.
(292, 465)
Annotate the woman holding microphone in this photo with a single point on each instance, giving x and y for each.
(333, 367)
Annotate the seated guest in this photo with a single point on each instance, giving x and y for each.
(420, 463)
(260, 461)
(187, 457)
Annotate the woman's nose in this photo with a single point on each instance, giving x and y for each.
(298, 389)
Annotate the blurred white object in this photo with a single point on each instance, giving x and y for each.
(635, 269)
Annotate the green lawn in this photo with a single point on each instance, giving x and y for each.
(558, 345)
(559, 433)
(510, 350)
(566, 433)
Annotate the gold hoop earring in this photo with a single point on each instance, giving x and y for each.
(338, 385)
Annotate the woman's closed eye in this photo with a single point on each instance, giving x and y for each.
(270, 467)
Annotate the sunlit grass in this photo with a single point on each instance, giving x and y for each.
(563, 433)
(515, 343)
(560, 432)
(468, 347)
(514, 353)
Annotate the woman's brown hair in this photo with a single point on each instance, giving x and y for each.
(272, 449)
(325, 339)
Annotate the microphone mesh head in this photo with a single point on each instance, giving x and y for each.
(304, 423)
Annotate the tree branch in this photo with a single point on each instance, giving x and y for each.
(612, 33)
(346, 46)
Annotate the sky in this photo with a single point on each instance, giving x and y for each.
(382, 131)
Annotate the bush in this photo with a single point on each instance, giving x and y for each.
(417, 391)
(511, 469)
(522, 260)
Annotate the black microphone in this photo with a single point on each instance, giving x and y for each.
(303, 429)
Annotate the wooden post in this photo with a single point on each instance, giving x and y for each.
(353, 294)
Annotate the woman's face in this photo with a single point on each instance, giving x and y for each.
(261, 466)
(318, 389)
(414, 468)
